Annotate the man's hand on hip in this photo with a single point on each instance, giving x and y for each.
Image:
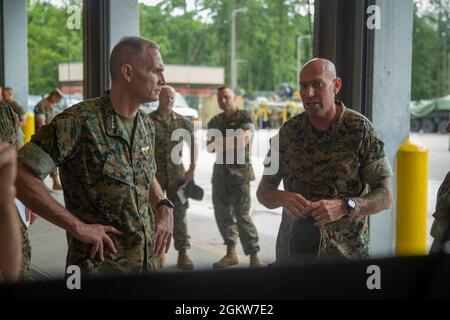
(96, 234)
(163, 230)
(326, 211)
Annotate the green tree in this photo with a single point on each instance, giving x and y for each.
(50, 43)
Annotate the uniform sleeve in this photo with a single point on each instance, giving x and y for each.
(273, 163)
(374, 164)
(18, 109)
(39, 113)
(442, 213)
(189, 127)
(52, 145)
(9, 126)
(21, 137)
(247, 121)
(212, 123)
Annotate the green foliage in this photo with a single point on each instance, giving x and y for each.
(431, 49)
(266, 37)
(266, 41)
(50, 43)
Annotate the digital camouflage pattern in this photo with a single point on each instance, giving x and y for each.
(43, 111)
(242, 120)
(335, 164)
(10, 133)
(441, 215)
(231, 189)
(106, 177)
(9, 127)
(170, 175)
(18, 110)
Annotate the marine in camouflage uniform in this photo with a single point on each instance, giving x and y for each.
(170, 175)
(11, 133)
(8, 97)
(231, 188)
(107, 175)
(441, 216)
(44, 113)
(18, 110)
(338, 163)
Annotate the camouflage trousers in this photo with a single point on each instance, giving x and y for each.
(297, 242)
(25, 267)
(180, 231)
(231, 201)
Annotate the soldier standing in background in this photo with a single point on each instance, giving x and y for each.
(169, 174)
(231, 181)
(44, 114)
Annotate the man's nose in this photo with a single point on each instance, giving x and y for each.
(162, 80)
(310, 92)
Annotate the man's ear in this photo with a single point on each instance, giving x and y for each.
(337, 85)
(127, 72)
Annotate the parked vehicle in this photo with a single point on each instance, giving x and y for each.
(430, 115)
(180, 106)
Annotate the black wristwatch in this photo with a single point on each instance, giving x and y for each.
(351, 206)
(165, 202)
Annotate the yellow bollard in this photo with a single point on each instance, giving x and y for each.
(29, 128)
(412, 187)
(285, 117)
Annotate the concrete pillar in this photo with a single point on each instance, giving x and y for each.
(15, 46)
(391, 82)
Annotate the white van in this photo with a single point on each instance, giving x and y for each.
(180, 106)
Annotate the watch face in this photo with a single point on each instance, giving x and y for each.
(352, 203)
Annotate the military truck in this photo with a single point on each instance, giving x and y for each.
(430, 115)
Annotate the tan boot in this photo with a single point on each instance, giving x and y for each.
(228, 260)
(184, 263)
(162, 259)
(56, 184)
(255, 262)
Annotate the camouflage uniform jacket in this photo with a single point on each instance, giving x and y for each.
(9, 127)
(168, 173)
(106, 179)
(43, 111)
(241, 120)
(18, 110)
(441, 215)
(335, 164)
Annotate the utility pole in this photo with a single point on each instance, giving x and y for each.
(299, 57)
(234, 68)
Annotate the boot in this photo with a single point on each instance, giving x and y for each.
(162, 259)
(184, 263)
(255, 262)
(228, 260)
(56, 184)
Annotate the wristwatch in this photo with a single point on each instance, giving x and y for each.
(351, 206)
(165, 202)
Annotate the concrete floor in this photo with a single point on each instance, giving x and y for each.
(49, 242)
